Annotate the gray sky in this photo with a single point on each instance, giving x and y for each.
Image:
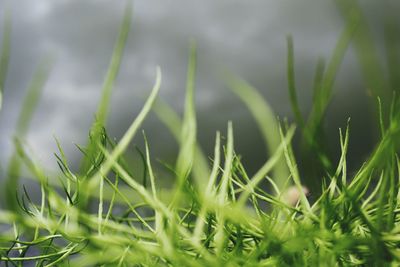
(246, 37)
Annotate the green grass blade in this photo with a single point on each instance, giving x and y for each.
(128, 136)
(290, 160)
(318, 78)
(32, 98)
(323, 95)
(381, 121)
(378, 158)
(149, 167)
(342, 166)
(5, 54)
(266, 121)
(222, 196)
(169, 118)
(29, 105)
(102, 111)
(172, 121)
(216, 166)
(366, 52)
(103, 107)
(227, 172)
(189, 125)
(292, 83)
(315, 149)
(210, 191)
(266, 168)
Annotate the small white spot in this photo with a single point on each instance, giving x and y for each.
(292, 195)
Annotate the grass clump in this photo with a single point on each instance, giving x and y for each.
(216, 214)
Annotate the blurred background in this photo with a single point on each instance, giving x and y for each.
(247, 38)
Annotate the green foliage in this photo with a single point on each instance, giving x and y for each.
(96, 134)
(216, 214)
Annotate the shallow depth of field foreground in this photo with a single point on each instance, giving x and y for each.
(303, 207)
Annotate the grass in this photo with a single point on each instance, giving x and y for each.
(216, 214)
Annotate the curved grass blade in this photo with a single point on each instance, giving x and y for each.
(266, 121)
(128, 136)
(171, 120)
(102, 110)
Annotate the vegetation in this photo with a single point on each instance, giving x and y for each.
(216, 214)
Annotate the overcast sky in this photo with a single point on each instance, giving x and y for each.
(246, 37)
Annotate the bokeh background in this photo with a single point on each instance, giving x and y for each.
(246, 37)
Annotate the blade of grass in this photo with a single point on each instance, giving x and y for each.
(5, 54)
(128, 136)
(102, 110)
(324, 93)
(25, 116)
(222, 196)
(172, 121)
(227, 172)
(189, 127)
(209, 192)
(290, 160)
(292, 83)
(380, 155)
(315, 148)
(266, 121)
(265, 169)
(366, 52)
